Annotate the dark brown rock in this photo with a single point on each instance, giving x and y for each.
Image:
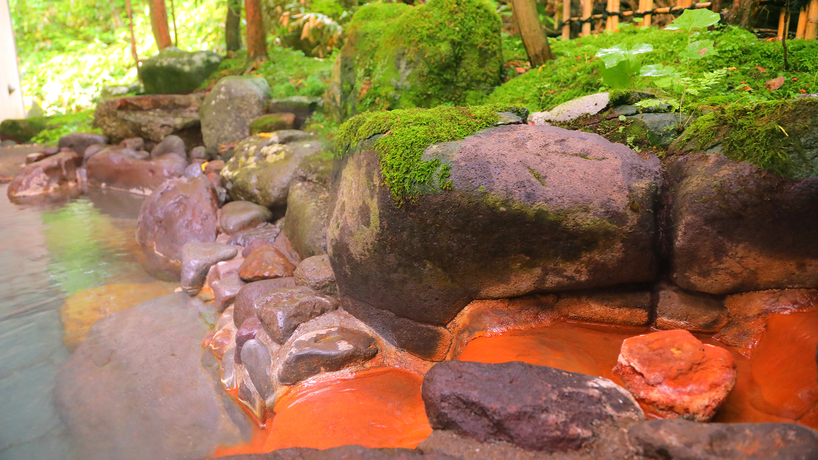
(197, 258)
(692, 311)
(241, 215)
(327, 350)
(568, 210)
(343, 453)
(151, 117)
(265, 262)
(534, 407)
(255, 357)
(181, 211)
(254, 294)
(282, 311)
(683, 440)
(56, 174)
(265, 231)
(632, 308)
(133, 143)
(732, 227)
(79, 142)
(248, 330)
(308, 205)
(133, 171)
(316, 273)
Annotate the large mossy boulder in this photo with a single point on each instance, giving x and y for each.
(396, 56)
(732, 227)
(173, 70)
(22, 129)
(230, 107)
(511, 210)
(777, 136)
(261, 167)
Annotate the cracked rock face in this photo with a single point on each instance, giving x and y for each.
(533, 407)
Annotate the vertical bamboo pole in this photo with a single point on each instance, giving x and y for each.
(781, 21)
(811, 31)
(133, 40)
(615, 19)
(566, 13)
(648, 7)
(587, 8)
(802, 23)
(609, 19)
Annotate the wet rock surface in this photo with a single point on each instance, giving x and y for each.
(625, 307)
(283, 310)
(325, 351)
(126, 169)
(265, 262)
(197, 258)
(241, 215)
(229, 107)
(254, 294)
(226, 290)
(261, 169)
(56, 174)
(675, 374)
(308, 205)
(316, 273)
(265, 232)
(255, 357)
(538, 229)
(181, 211)
(342, 453)
(692, 311)
(733, 227)
(683, 440)
(79, 142)
(127, 363)
(151, 117)
(534, 407)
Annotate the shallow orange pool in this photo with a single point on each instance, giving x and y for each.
(377, 408)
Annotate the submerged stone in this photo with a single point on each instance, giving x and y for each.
(675, 374)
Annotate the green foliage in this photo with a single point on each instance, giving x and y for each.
(71, 49)
(288, 72)
(405, 135)
(766, 134)
(62, 125)
(749, 62)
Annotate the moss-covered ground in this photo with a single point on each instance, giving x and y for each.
(750, 63)
(405, 134)
(49, 130)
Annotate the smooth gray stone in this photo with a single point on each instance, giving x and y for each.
(241, 215)
(197, 258)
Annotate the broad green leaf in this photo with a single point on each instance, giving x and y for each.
(697, 49)
(656, 70)
(618, 76)
(619, 53)
(694, 19)
(664, 82)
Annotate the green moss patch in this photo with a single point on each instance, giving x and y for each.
(405, 135)
(607, 124)
(773, 135)
(49, 130)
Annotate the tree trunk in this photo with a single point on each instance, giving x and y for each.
(256, 38)
(232, 26)
(740, 13)
(159, 24)
(534, 40)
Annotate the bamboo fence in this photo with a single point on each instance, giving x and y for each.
(807, 18)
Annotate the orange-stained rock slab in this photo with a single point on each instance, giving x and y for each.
(675, 374)
(265, 262)
(84, 308)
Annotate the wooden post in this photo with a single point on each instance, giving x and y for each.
(11, 93)
(534, 40)
(159, 24)
(566, 13)
(781, 21)
(811, 30)
(613, 21)
(648, 6)
(587, 9)
(802, 23)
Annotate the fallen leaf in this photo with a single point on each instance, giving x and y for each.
(744, 88)
(732, 68)
(761, 69)
(775, 83)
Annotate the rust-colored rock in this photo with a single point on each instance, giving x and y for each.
(692, 311)
(265, 262)
(630, 308)
(53, 174)
(675, 374)
(151, 117)
(121, 168)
